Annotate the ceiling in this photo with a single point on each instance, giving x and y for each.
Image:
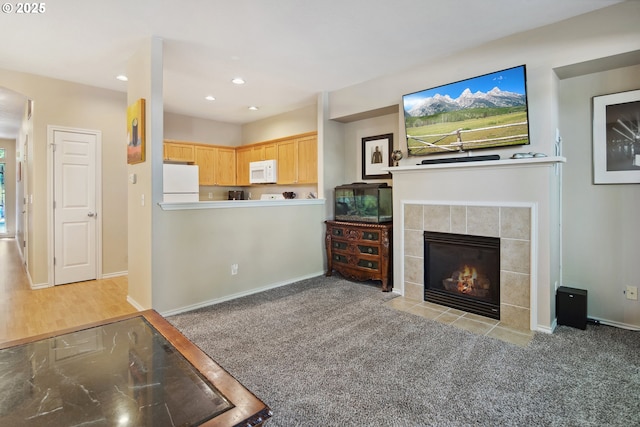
(288, 51)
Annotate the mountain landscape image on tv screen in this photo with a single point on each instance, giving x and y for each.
(487, 111)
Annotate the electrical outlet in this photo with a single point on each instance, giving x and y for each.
(234, 269)
(210, 195)
(632, 292)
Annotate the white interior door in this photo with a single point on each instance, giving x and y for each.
(74, 207)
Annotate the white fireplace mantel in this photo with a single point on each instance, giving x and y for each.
(529, 161)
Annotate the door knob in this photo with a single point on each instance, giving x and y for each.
(91, 214)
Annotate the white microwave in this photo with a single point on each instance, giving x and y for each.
(263, 172)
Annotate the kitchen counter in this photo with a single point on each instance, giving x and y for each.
(226, 204)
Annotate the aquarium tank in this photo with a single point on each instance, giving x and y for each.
(363, 202)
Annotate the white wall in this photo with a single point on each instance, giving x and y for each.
(295, 122)
(272, 245)
(144, 70)
(194, 129)
(600, 222)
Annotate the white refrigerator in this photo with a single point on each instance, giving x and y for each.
(180, 183)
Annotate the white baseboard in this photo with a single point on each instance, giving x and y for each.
(116, 274)
(616, 324)
(135, 304)
(234, 296)
(39, 285)
(548, 329)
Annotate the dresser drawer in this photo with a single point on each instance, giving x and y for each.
(339, 245)
(373, 236)
(340, 258)
(337, 232)
(370, 250)
(368, 263)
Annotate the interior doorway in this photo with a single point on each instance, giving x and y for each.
(76, 195)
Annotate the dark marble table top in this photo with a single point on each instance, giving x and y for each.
(121, 373)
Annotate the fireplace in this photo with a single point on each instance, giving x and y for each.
(463, 272)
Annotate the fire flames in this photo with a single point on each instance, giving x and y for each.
(467, 279)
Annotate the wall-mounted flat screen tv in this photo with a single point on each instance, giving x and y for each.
(487, 111)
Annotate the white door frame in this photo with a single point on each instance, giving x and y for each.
(50, 192)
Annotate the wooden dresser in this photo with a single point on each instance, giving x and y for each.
(360, 251)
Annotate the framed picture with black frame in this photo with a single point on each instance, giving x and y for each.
(616, 138)
(376, 155)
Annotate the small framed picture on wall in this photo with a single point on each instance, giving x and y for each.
(376, 155)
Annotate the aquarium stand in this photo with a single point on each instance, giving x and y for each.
(360, 251)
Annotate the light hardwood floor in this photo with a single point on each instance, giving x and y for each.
(25, 312)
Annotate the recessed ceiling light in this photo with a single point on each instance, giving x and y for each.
(253, 108)
(210, 98)
(122, 78)
(238, 81)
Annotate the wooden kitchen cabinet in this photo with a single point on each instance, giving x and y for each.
(287, 162)
(179, 152)
(270, 151)
(205, 159)
(298, 160)
(243, 158)
(225, 166)
(217, 165)
(264, 152)
(308, 160)
(360, 251)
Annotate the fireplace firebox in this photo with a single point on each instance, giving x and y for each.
(463, 272)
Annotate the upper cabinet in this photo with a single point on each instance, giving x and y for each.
(205, 159)
(287, 162)
(243, 158)
(174, 151)
(217, 165)
(225, 166)
(298, 160)
(308, 160)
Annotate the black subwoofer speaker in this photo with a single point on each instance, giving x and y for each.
(571, 307)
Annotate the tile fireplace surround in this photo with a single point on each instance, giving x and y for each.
(515, 200)
(511, 224)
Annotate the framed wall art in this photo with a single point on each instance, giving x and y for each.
(136, 132)
(616, 138)
(376, 155)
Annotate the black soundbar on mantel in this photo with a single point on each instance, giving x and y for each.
(460, 159)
